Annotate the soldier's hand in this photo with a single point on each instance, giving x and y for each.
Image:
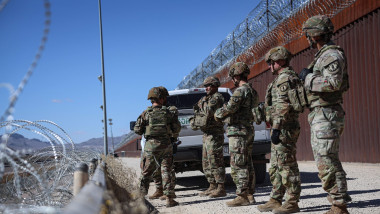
(276, 136)
(304, 73)
(173, 139)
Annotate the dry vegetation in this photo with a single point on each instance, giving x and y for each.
(123, 195)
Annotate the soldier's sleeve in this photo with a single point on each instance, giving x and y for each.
(140, 124)
(257, 111)
(175, 125)
(215, 103)
(282, 107)
(331, 77)
(232, 106)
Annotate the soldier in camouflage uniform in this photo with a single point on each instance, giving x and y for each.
(326, 80)
(157, 178)
(160, 126)
(213, 137)
(282, 109)
(237, 113)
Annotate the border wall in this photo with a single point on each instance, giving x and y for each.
(357, 31)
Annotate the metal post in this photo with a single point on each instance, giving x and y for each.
(80, 177)
(103, 79)
(113, 146)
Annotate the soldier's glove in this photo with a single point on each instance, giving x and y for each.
(276, 136)
(304, 73)
(175, 146)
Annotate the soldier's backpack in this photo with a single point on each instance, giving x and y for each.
(158, 122)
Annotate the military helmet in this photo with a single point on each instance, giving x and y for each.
(318, 25)
(164, 91)
(154, 92)
(278, 53)
(239, 68)
(211, 81)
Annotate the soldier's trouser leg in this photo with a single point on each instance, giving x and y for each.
(251, 168)
(327, 125)
(284, 172)
(213, 154)
(239, 163)
(149, 164)
(173, 179)
(167, 172)
(157, 179)
(205, 162)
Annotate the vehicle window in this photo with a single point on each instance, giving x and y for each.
(187, 101)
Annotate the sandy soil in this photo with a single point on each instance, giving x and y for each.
(363, 185)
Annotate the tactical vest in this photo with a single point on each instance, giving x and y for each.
(203, 121)
(328, 98)
(200, 119)
(244, 114)
(158, 125)
(296, 95)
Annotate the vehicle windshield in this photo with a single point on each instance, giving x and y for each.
(187, 101)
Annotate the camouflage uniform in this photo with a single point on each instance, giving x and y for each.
(213, 139)
(284, 172)
(240, 131)
(325, 86)
(158, 124)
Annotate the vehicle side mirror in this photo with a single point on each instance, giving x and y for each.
(132, 125)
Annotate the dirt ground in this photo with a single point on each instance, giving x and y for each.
(363, 185)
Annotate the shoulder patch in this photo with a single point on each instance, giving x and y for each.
(333, 67)
(284, 87)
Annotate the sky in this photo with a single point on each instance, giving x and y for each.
(146, 43)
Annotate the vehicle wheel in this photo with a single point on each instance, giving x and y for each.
(260, 172)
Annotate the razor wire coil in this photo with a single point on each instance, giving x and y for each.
(270, 23)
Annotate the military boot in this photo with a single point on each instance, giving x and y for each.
(157, 194)
(219, 192)
(164, 197)
(209, 190)
(170, 202)
(270, 205)
(338, 209)
(240, 200)
(287, 208)
(251, 199)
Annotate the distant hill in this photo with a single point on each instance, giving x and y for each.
(19, 142)
(99, 142)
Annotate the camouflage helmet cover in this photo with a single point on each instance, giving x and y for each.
(164, 91)
(318, 25)
(239, 68)
(154, 92)
(211, 81)
(278, 53)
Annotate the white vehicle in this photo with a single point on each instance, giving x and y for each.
(189, 153)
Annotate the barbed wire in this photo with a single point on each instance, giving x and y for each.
(43, 177)
(270, 23)
(14, 96)
(3, 3)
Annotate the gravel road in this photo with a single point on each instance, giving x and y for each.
(363, 185)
